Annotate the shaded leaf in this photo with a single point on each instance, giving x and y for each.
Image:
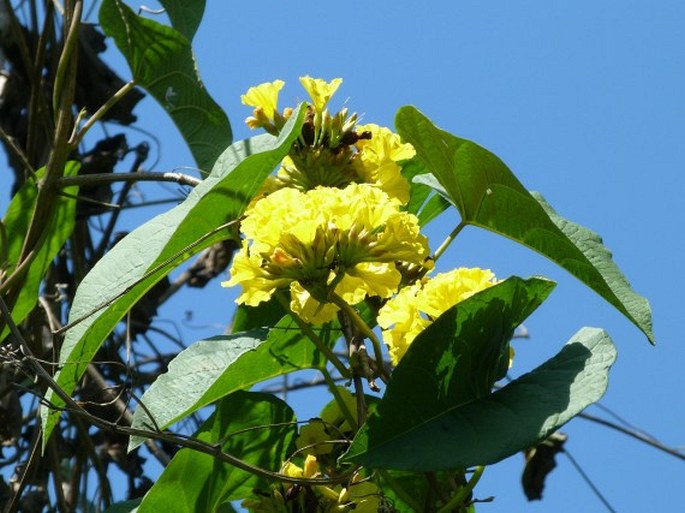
(148, 253)
(211, 369)
(162, 62)
(16, 224)
(415, 486)
(195, 481)
(458, 358)
(487, 430)
(488, 195)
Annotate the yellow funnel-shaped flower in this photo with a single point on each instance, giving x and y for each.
(264, 96)
(320, 91)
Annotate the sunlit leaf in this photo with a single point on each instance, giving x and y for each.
(257, 428)
(211, 369)
(16, 224)
(488, 195)
(423, 202)
(148, 253)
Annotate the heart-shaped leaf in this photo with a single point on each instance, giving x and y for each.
(487, 194)
(161, 60)
(489, 429)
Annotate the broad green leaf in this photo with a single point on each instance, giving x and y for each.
(195, 481)
(423, 202)
(211, 369)
(148, 253)
(264, 314)
(415, 486)
(185, 15)
(16, 223)
(458, 358)
(488, 195)
(124, 507)
(162, 62)
(487, 430)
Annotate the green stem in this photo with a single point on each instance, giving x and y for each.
(399, 491)
(445, 244)
(77, 135)
(459, 498)
(365, 330)
(338, 398)
(320, 345)
(65, 61)
(11, 144)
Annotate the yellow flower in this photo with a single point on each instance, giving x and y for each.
(291, 470)
(313, 437)
(332, 413)
(264, 97)
(361, 496)
(415, 307)
(306, 307)
(378, 157)
(320, 91)
(247, 268)
(344, 241)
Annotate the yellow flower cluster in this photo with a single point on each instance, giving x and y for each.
(325, 241)
(329, 226)
(415, 307)
(360, 495)
(333, 151)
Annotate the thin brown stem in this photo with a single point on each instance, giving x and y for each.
(633, 434)
(34, 456)
(57, 477)
(16, 149)
(213, 450)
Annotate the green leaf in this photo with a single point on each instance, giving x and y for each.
(488, 195)
(211, 369)
(16, 223)
(415, 487)
(195, 481)
(124, 507)
(423, 202)
(264, 314)
(487, 430)
(148, 253)
(185, 15)
(162, 62)
(458, 358)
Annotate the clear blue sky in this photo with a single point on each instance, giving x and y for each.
(584, 101)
